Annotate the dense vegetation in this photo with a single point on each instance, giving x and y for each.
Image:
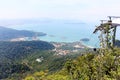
(50, 63)
(8, 33)
(11, 54)
(16, 50)
(18, 59)
(104, 65)
(35, 60)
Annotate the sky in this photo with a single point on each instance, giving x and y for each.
(85, 10)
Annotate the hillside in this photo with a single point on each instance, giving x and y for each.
(16, 50)
(8, 33)
(36, 60)
(17, 59)
(99, 66)
(11, 54)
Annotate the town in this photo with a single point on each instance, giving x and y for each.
(62, 48)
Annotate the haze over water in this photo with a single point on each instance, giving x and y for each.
(87, 11)
(63, 30)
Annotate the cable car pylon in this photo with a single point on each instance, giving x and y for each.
(107, 32)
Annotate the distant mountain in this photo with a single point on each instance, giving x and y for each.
(8, 33)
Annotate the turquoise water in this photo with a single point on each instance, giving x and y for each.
(63, 32)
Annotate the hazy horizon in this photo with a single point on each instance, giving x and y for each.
(87, 11)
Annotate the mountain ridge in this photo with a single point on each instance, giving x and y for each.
(9, 33)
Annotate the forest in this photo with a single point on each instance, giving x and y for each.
(36, 60)
(103, 65)
(11, 53)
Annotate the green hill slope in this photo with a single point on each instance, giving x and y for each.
(102, 66)
(11, 54)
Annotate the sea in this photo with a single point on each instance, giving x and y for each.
(64, 31)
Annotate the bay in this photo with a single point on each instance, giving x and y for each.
(63, 32)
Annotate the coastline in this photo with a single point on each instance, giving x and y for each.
(86, 45)
(78, 43)
(56, 34)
